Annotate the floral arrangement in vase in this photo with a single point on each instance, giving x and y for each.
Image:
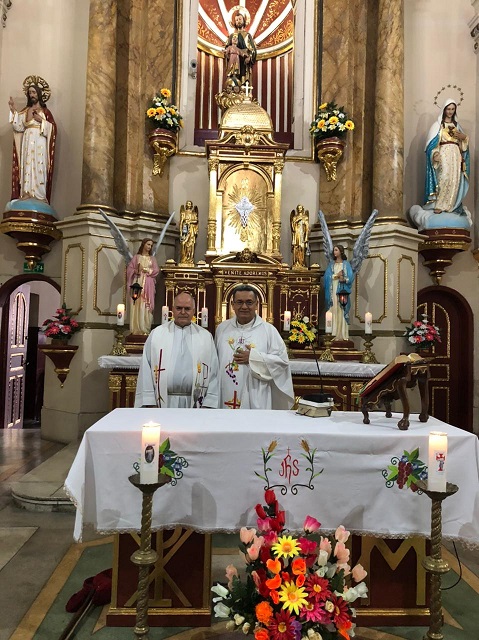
(61, 326)
(422, 333)
(301, 332)
(296, 587)
(161, 114)
(330, 121)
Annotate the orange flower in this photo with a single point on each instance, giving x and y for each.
(298, 566)
(264, 612)
(261, 634)
(273, 565)
(300, 580)
(273, 583)
(274, 595)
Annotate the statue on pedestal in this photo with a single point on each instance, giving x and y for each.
(299, 220)
(34, 134)
(240, 48)
(188, 233)
(447, 175)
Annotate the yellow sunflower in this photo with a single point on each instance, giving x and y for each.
(323, 106)
(287, 546)
(293, 598)
(166, 93)
(151, 112)
(333, 120)
(349, 124)
(160, 111)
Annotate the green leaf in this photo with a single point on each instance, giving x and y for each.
(164, 445)
(167, 472)
(393, 475)
(260, 476)
(414, 455)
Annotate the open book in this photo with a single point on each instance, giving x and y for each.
(389, 370)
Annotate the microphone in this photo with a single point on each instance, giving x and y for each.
(318, 397)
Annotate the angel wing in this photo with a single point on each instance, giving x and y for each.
(119, 238)
(361, 246)
(162, 234)
(327, 242)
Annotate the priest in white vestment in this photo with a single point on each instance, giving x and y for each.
(179, 367)
(253, 361)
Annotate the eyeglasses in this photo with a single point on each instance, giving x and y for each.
(240, 303)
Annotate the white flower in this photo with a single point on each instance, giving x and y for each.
(246, 628)
(322, 557)
(220, 590)
(314, 635)
(230, 625)
(306, 319)
(321, 572)
(222, 611)
(238, 619)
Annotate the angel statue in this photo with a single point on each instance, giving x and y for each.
(340, 273)
(141, 268)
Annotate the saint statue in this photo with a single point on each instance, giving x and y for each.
(34, 134)
(447, 174)
(188, 233)
(240, 49)
(299, 219)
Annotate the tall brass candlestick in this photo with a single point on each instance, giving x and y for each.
(145, 556)
(119, 347)
(327, 354)
(368, 355)
(434, 563)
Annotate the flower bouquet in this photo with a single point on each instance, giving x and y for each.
(422, 334)
(330, 121)
(161, 114)
(302, 332)
(296, 587)
(61, 326)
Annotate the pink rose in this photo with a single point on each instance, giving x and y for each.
(247, 535)
(325, 545)
(311, 524)
(264, 524)
(341, 553)
(270, 538)
(341, 534)
(359, 573)
(231, 572)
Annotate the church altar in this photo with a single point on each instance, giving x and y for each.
(342, 380)
(224, 452)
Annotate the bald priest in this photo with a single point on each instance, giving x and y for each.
(179, 367)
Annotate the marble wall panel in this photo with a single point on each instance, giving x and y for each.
(73, 276)
(406, 289)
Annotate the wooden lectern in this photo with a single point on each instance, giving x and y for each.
(391, 384)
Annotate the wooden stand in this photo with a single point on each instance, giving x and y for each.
(391, 384)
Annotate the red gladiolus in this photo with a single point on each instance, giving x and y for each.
(269, 496)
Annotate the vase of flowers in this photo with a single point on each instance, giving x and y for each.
(302, 333)
(61, 327)
(294, 586)
(329, 129)
(165, 121)
(422, 334)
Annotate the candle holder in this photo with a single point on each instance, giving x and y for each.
(434, 564)
(145, 556)
(368, 356)
(327, 354)
(119, 347)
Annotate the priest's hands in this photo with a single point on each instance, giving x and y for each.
(241, 356)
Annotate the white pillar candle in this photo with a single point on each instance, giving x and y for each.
(150, 444)
(165, 312)
(204, 317)
(329, 322)
(120, 314)
(368, 322)
(436, 478)
(287, 321)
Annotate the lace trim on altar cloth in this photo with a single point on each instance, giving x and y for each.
(71, 497)
(471, 545)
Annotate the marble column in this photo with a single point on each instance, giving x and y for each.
(99, 136)
(388, 158)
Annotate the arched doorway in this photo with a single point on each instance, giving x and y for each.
(451, 382)
(20, 371)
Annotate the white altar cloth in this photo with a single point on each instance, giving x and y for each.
(298, 367)
(224, 450)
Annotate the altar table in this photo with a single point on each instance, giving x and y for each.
(221, 485)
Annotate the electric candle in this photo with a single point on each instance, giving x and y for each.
(150, 444)
(436, 479)
(204, 317)
(368, 323)
(120, 314)
(287, 321)
(165, 312)
(329, 322)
